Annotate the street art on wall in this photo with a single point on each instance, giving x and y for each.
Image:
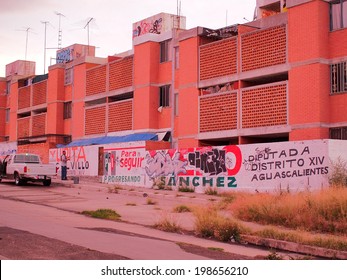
(290, 166)
(257, 167)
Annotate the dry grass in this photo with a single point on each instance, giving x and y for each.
(181, 209)
(167, 223)
(324, 211)
(209, 223)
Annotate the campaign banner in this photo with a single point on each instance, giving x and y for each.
(124, 166)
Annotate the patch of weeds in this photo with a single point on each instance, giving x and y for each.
(182, 209)
(107, 214)
(216, 249)
(186, 189)
(130, 204)
(338, 175)
(131, 190)
(167, 223)
(210, 224)
(211, 191)
(114, 189)
(150, 201)
(273, 256)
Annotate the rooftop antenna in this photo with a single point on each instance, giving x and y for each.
(87, 26)
(60, 35)
(27, 30)
(178, 14)
(226, 18)
(44, 45)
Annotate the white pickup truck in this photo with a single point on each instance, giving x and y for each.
(26, 168)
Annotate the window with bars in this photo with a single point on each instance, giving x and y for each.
(164, 51)
(68, 76)
(164, 96)
(67, 110)
(338, 14)
(338, 72)
(339, 133)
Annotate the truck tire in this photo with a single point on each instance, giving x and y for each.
(47, 183)
(17, 179)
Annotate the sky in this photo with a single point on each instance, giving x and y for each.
(22, 33)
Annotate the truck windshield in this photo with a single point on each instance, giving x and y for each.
(26, 159)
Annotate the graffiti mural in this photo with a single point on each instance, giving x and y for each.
(163, 164)
(148, 26)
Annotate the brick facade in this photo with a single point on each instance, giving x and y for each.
(95, 120)
(121, 73)
(264, 106)
(264, 48)
(96, 80)
(39, 93)
(218, 112)
(218, 59)
(120, 116)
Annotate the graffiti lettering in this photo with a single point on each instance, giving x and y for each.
(161, 164)
(151, 26)
(211, 162)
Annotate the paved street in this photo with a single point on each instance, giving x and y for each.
(54, 213)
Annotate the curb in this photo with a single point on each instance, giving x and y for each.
(295, 247)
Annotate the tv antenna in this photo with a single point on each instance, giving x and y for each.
(27, 30)
(44, 45)
(60, 35)
(87, 26)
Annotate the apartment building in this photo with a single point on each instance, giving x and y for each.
(279, 77)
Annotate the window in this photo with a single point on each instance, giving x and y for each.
(67, 110)
(68, 76)
(7, 115)
(338, 77)
(164, 96)
(339, 133)
(338, 14)
(164, 51)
